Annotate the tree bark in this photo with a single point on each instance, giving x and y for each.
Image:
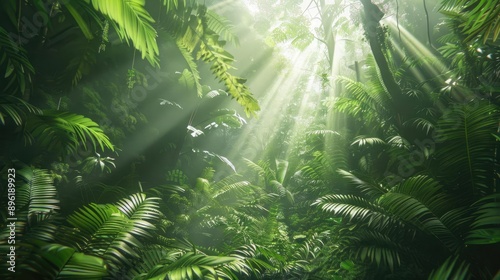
(375, 35)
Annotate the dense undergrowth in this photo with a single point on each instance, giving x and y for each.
(115, 133)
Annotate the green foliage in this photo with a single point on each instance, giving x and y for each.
(485, 228)
(113, 232)
(57, 130)
(465, 131)
(55, 261)
(370, 219)
(132, 22)
(195, 38)
(452, 268)
(17, 109)
(16, 66)
(479, 17)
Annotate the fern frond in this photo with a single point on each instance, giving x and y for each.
(211, 51)
(221, 26)
(194, 81)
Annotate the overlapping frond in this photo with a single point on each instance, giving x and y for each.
(485, 228)
(480, 17)
(221, 26)
(194, 266)
(16, 67)
(61, 130)
(420, 201)
(466, 134)
(133, 23)
(375, 247)
(193, 35)
(35, 192)
(452, 268)
(114, 232)
(55, 261)
(16, 109)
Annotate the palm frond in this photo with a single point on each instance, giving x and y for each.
(16, 108)
(16, 67)
(193, 34)
(55, 130)
(363, 140)
(370, 189)
(134, 23)
(143, 212)
(231, 191)
(152, 257)
(375, 247)
(212, 52)
(193, 266)
(485, 228)
(55, 261)
(465, 133)
(74, 8)
(481, 18)
(114, 232)
(354, 208)
(452, 268)
(221, 26)
(192, 76)
(419, 200)
(37, 193)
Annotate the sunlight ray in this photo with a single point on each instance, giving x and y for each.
(279, 95)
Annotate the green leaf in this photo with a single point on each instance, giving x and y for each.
(134, 23)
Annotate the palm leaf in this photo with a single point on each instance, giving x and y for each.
(192, 76)
(221, 26)
(16, 67)
(452, 268)
(54, 261)
(356, 209)
(73, 8)
(363, 140)
(133, 23)
(143, 212)
(37, 193)
(16, 108)
(371, 189)
(419, 200)
(193, 266)
(481, 18)
(114, 232)
(375, 247)
(55, 130)
(231, 191)
(485, 228)
(467, 145)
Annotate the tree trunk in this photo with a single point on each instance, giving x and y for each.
(375, 35)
